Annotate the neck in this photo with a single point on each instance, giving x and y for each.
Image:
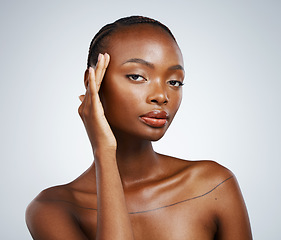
(137, 161)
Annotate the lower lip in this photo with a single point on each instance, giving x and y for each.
(154, 122)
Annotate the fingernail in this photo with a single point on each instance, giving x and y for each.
(89, 71)
(99, 57)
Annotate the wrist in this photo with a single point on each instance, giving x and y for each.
(105, 153)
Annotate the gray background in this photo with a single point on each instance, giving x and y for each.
(230, 111)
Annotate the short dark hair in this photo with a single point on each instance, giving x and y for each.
(98, 43)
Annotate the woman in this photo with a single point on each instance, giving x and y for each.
(133, 91)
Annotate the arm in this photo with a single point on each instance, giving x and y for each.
(113, 219)
(233, 220)
(51, 220)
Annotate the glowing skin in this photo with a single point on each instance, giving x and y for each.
(130, 191)
(138, 81)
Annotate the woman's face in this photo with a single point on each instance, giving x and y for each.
(141, 90)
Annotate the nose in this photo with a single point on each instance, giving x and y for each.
(158, 94)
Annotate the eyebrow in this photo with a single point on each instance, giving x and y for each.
(176, 67)
(139, 60)
(151, 65)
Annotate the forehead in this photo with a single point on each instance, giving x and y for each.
(145, 41)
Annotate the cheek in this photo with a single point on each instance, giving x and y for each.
(179, 101)
(120, 99)
(175, 101)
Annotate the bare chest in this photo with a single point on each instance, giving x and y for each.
(184, 220)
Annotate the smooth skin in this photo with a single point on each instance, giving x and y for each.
(130, 191)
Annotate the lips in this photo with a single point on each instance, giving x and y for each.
(156, 118)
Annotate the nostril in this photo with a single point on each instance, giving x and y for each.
(159, 102)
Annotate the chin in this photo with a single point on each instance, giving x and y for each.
(154, 135)
(155, 139)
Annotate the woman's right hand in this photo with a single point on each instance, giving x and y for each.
(91, 110)
(113, 221)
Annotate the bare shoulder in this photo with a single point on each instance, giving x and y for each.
(47, 216)
(211, 171)
(47, 201)
(209, 175)
(207, 172)
(203, 177)
(225, 200)
(52, 195)
(228, 206)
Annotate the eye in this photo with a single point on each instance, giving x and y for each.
(175, 83)
(135, 77)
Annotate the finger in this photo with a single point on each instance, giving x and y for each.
(107, 58)
(92, 88)
(84, 98)
(100, 70)
(92, 92)
(106, 62)
(86, 104)
(81, 97)
(82, 105)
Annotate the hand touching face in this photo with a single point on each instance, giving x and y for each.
(91, 110)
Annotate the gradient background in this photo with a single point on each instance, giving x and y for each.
(230, 111)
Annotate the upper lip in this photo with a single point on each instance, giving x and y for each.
(160, 114)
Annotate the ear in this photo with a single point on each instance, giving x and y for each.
(86, 78)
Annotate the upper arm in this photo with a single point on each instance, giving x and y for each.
(47, 220)
(232, 216)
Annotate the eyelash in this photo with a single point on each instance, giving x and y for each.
(180, 84)
(131, 77)
(172, 82)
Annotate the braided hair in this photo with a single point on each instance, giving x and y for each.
(98, 44)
